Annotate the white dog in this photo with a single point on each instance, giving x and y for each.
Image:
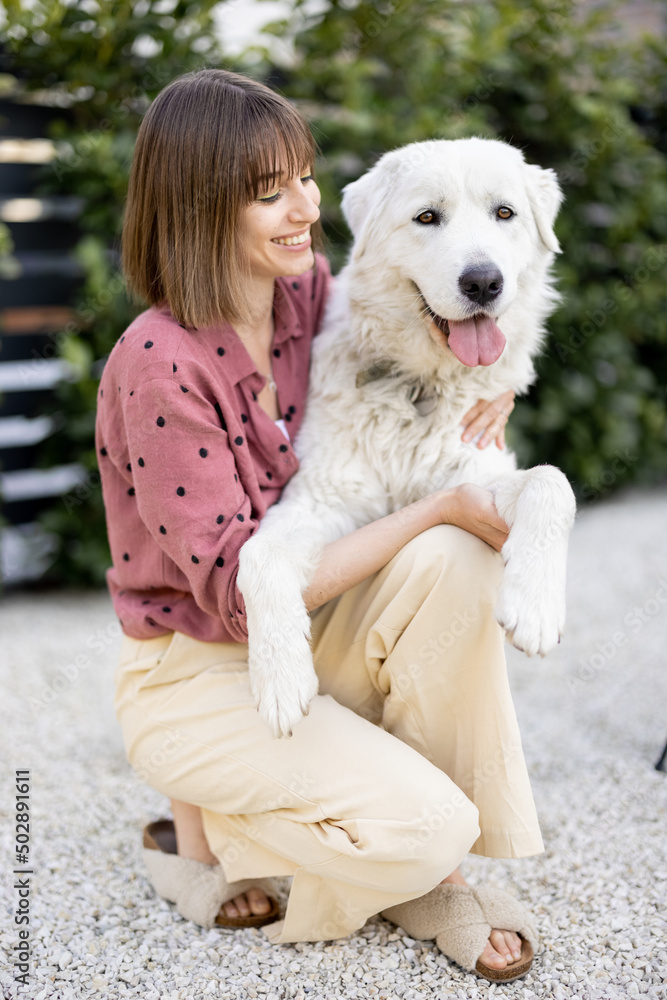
(449, 237)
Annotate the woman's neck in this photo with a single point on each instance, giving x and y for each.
(257, 330)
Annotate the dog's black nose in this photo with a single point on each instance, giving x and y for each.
(481, 284)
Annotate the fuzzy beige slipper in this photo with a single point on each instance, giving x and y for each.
(460, 918)
(199, 890)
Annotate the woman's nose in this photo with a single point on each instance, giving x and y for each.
(305, 208)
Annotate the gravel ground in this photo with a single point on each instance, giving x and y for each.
(593, 721)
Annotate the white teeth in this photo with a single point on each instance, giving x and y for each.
(292, 240)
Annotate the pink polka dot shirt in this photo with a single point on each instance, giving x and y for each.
(190, 462)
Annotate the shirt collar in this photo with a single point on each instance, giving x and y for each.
(287, 324)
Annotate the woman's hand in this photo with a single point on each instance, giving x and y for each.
(489, 418)
(472, 508)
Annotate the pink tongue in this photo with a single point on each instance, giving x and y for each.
(476, 341)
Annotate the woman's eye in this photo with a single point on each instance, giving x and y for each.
(267, 199)
(307, 177)
(428, 218)
(504, 212)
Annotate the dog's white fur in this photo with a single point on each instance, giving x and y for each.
(366, 452)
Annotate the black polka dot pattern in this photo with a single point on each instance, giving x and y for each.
(240, 517)
(163, 530)
(291, 409)
(221, 351)
(236, 478)
(132, 393)
(244, 418)
(238, 440)
(148, 345)
(203, 452)
(145, 602)
(194, 559)
(160, 421)
(128, 467)
(220, 562)
(167, 610)
(130, 492)
(104, 452)
(276, 352)
(126, 556)
(269, 475)
(288, 417)
(175, 369)
(141, 462)
(122, 338)
(283, 447)
(183, 389)
(254, 396)
(180, 491)
(295, 285)
(220, 518)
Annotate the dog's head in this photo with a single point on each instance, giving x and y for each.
(464, 227)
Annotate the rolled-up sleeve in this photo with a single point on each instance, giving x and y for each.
(188, 493)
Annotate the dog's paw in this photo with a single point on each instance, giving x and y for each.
(283, 685)
(532, 615)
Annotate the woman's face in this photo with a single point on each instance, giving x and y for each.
(275, 229)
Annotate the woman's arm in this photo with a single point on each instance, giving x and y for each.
(352, 558)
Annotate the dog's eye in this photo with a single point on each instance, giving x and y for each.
(504, 212)
(428, 218)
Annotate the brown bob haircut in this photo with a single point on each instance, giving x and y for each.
(208, 144)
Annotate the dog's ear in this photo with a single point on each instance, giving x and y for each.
(363, 202)
(357, 198)
(545, 198)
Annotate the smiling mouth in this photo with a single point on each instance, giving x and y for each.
(291, 241)
(473, 341)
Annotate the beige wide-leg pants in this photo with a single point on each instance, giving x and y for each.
(409, 758)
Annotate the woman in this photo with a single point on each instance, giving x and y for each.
(198, 406)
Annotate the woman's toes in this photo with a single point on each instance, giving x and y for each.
(258, 901)
(237, 907)
(254, 901)
(507, 944)
(492, 958)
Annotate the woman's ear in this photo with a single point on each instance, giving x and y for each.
(545, 198)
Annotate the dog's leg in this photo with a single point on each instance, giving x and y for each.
(538, 504)
(275, 567)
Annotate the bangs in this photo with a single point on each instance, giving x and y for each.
(277, 144)
(209, 142)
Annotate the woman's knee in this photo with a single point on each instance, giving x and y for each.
(454, 558)
(445, 833)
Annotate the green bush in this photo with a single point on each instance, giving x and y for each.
(567, 88)
(107, 68)
(572, 92)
